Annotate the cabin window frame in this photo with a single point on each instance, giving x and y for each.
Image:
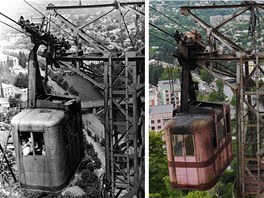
(214, 137)
(228, 123)
(221, 130)
(39, 148)
(181, 150)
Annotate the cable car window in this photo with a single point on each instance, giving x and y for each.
(177, 143)
(40, 148)
(189, 145)
(25, 141)
(213, 135)
(221, 129)
(28, 139)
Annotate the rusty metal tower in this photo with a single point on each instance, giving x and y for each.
(123, 90)
(244, 67)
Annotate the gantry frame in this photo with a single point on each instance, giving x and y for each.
(248, 89)
(123, 90)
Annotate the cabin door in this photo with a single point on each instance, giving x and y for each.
(184, 158)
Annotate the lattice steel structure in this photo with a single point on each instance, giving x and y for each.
(246, 75)
(123, 90)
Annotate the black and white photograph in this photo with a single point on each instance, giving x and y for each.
(72, 98)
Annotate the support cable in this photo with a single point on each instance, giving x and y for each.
(161, 30)
(48, 18)
(163, 39)
(9, 18)
(170, 19)
(123, 18)
(14, 28)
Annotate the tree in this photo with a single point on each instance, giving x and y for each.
(155, 71)
(198, 194)
(14, 100)
(205, 76)
(21, 80)
(9, 62)
(174, 71)
(157, 164)
(233, 100)
(172, 192)
(220, 87)
(219, 95)
(22, 59)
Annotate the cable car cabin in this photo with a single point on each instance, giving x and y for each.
(48, 143)
(198, 145)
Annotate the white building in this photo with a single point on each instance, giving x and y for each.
(11, 90)
(16, 69)
(170, 92)
(4, 105)
(158, 115)
(153, 95)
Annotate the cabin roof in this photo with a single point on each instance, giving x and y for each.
(188, 123)
(37, 119)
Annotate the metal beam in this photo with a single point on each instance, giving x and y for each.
(231, 17)
(90, 22)
(98, 58)
(135, 11)
(53, 7)
(82, 34)
(210, 31)
(231, 57)
(218, 6)
(99, 85)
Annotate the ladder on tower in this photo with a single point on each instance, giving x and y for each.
(252, 126)
(122, 118)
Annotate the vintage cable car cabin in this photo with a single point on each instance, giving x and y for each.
(199, 145)
(48, 142)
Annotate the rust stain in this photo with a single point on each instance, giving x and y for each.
(199, 124)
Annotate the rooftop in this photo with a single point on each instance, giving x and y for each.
(5, 85)
(4, 101)
(166, 83)
(159, 109)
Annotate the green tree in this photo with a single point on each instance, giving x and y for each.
(233, 100)
(213, 96)
(172, 192)
(220, 87)
(217, 96)
(157, 164)
(205, 76)
(198, 194)
(174, 71)
(155, 71)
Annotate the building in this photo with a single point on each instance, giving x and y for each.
(11, 90)
(4, 105)
(153, 95)
(158, 115)
(160, 7)
(170, 92)
(16, 69)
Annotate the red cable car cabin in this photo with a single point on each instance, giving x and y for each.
(198, 145)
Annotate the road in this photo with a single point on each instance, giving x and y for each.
(101, 154)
